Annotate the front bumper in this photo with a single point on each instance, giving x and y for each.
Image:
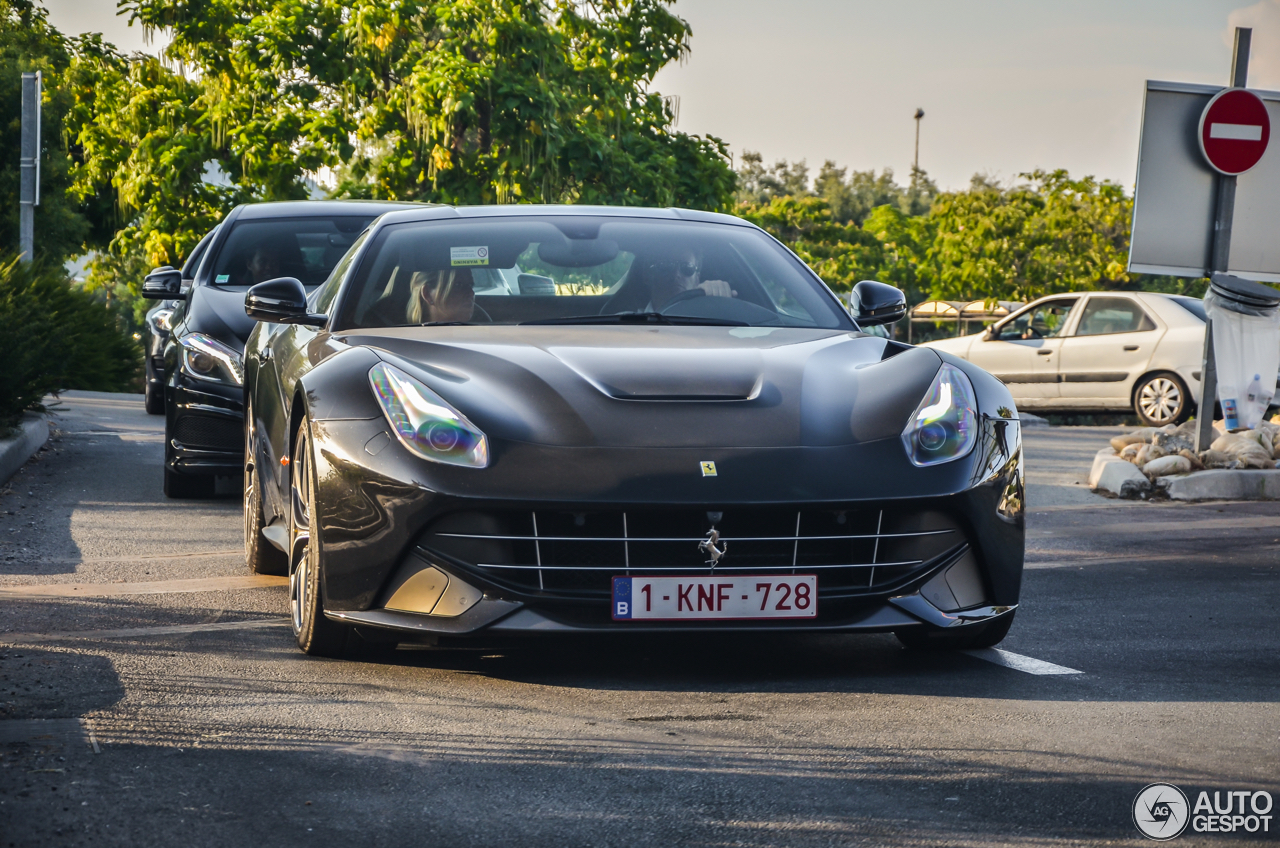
(377, 506)
(204, 426)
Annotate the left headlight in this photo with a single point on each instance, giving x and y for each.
(945, 424)
(425, 422)
(161, 321)
(209, 359)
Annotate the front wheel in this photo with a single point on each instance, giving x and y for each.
(153, 399)
(957, 638)
(1160, 399)
(316, 635)
(261, 556)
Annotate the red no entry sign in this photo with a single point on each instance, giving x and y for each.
(1234, 131)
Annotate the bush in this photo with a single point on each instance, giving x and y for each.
(53, 337)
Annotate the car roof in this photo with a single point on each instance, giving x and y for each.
(425, 212)
(322, 208)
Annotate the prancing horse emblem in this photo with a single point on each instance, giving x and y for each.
(708, 547)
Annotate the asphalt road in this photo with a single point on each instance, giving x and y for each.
(150, 693)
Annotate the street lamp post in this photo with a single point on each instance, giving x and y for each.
(915, 165)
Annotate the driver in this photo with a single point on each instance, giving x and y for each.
(682, 272)
(441, 297)
(264, 263)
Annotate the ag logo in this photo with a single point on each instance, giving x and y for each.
(1160, 811)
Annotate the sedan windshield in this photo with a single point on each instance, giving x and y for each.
(582, 270)
(264, 249)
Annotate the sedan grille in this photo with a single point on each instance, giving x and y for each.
(202, 432)
(854, 551)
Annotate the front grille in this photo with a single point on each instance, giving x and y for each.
(207, 433)
(576, 553)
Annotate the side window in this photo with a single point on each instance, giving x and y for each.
(1106, 315)
(324, 295)
(1045, 321)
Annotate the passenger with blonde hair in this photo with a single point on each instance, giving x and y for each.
(441, 297)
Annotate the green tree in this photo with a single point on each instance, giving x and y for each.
(1049, 234)
(841, 254)
(64, 223)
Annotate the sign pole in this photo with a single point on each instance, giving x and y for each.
(1219, 253)
(29, 162)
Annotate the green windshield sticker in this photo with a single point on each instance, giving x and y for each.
(468, 256)
(222, 278)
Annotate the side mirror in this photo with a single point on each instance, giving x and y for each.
(990, 333)
(281, 301)
(874, 303)
(163, 283)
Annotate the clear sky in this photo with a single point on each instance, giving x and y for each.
(1006, 85)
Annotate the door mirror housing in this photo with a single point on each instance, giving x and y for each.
(873, 303)
(164, 283)
(991, 333)
(281, 301)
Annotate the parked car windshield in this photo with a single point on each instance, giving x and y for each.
(582, 270)
(264, 249)
(1195, 307)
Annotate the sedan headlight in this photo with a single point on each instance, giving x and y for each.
(945, 424)
(209, 359)
(425, 422)
(161, 321)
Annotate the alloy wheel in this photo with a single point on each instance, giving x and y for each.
(300, 537)
(1160, 400)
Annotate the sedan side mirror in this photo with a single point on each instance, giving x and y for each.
(874, 303)
(281, 301)
(163, 283)
(990, 334)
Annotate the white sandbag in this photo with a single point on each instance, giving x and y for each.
(1167, 465)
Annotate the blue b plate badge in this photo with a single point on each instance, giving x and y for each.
(719, 597)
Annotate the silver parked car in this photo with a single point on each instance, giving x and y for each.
(1095, 352)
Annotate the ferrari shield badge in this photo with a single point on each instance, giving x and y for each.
(708, 469)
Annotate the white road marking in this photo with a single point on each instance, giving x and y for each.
(1238, 132)
(155, 587)
(129, 632)
(1018, 662)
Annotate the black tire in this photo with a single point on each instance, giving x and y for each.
(187, 486)
(261, 556)
(957, 638)
(1160, 399)
(316, 635)
(153, 399)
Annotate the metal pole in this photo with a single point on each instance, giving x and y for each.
(1220, 253)
(915, 163)
(29, 165)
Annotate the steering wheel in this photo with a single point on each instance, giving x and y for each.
(687, 294)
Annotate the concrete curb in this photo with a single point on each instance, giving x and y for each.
(32, 433)
(1222, 484)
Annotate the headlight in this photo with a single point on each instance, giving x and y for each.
(425, 423)
(161, 321)
(209, 359)
(945, 424)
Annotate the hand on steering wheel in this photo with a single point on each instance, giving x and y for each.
(687, 294)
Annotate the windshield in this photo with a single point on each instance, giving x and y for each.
(1195, 307)
(305, 248)
(582, 270)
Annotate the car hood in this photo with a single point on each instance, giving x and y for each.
(666, 386)
(219, 313)
(959, 345)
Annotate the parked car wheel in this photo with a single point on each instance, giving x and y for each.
(261, 556)
(316, 634)
(1161, 398)
(957, 638)
(153, 394)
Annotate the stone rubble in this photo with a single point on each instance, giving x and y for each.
(1162, 460)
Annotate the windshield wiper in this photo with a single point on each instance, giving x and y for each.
(445, 324)
(639, 318)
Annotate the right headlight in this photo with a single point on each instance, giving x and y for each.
(945, 424)
(207, 358)
(424, 422)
